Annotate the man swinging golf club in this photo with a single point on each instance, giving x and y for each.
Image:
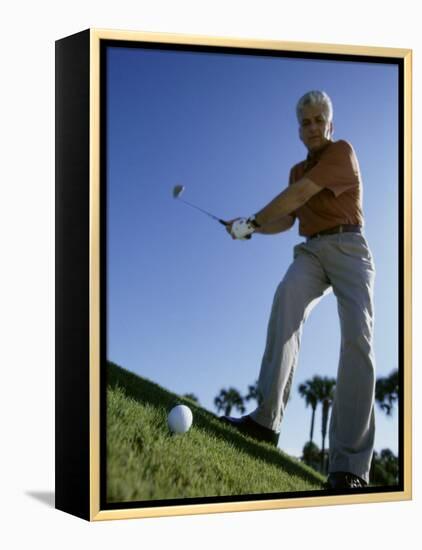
(325, 194)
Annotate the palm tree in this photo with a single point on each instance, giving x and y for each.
(227, 399)
(310, 391)
(326, 397)
(384, 468)
(311, 455)
(253, 393)
(387, 392)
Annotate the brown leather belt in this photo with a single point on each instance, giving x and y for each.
(338, 229)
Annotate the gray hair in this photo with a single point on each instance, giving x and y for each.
(315, 97)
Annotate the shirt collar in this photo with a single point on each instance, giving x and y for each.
(313, 158)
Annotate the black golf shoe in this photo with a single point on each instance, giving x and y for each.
(249, 427)
(344, 480)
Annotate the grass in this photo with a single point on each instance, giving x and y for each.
(146, 462)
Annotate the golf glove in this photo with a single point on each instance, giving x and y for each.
(242, 229)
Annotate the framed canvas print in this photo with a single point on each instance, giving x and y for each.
(233, 274)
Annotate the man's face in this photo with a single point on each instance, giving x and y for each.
(315, 131)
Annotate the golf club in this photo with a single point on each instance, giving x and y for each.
(177, 192)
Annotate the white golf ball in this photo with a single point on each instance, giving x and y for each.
(180, 419)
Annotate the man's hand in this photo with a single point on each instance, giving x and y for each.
(229, 224)
(240, 228)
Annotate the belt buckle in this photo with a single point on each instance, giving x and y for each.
(340, 229)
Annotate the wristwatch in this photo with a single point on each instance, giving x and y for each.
(253, 222)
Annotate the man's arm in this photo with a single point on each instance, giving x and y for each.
(278, 226)
(295, 196)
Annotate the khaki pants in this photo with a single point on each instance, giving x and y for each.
(344, 263)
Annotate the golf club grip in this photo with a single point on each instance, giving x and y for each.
(226, 224)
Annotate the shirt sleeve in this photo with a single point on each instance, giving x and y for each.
(337, 169)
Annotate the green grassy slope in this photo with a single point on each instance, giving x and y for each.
(145, 461)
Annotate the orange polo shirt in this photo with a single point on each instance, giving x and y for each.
(336, 169)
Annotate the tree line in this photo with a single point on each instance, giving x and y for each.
(320, 391)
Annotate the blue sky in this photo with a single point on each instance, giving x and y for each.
(187, 306)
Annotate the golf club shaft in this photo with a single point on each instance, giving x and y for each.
(204, 212)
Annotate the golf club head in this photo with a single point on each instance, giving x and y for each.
(177, 191)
